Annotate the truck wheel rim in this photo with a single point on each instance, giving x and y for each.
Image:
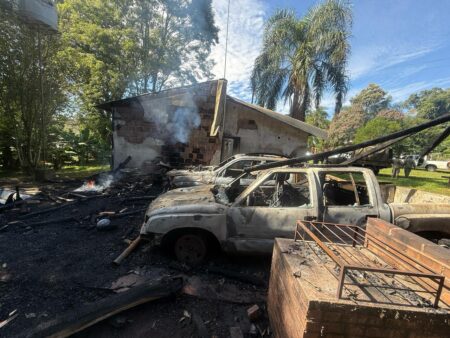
(190, 249)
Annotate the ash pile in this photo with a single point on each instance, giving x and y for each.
(57, 250)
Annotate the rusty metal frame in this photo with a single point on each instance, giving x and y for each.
(312, 228)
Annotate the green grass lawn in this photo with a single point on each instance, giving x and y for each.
(419, 179)
(77, 171)
(72, 171)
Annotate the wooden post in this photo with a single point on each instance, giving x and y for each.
(133, 245)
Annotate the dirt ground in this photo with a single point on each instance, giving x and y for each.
(50, 269)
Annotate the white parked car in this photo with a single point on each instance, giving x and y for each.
(429, 164)
(434, 165)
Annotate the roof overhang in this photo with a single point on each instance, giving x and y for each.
(302, 126)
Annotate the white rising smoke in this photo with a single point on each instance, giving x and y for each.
(175, 118)
(183, 121)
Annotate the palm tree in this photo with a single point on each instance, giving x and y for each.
(301, 58)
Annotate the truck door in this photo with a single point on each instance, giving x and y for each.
(269, 208)
(348, 197)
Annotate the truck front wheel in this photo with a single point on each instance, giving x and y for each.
(191, 248)
(431, 167)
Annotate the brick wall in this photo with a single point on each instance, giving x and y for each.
(135, 135)
(302, 306)
(430, 255)
(199, 150)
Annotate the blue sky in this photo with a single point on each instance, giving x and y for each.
(402, 45)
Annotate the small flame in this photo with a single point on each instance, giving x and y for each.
(91, 185)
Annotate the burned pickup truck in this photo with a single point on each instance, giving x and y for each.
(224, 173)
(236, 218)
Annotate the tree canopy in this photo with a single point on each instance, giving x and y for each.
(105, 50)
(379, 126)
(430, 104)
(372, 100)
(301, 57)
(372, 114)
(31, 91)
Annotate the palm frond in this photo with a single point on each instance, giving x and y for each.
(301, 58)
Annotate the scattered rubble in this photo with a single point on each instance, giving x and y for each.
(61, 265)
(88, 315)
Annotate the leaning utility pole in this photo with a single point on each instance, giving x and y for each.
(435, 143)
(345, 149)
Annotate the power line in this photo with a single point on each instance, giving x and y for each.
(226, 42)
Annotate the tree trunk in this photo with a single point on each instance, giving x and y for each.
(298, 107)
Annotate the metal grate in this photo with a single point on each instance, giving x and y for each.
(335, 239)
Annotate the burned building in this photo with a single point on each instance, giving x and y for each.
(200, 125)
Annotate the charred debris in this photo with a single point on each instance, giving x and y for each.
(119, 198)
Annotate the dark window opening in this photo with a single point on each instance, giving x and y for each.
(344, 189)
(281, 190)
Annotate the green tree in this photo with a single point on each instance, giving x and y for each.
(430, 104)
(174, 42)
(391, 114)
(30, 90)
(414, 144)
(115, 48)
(344, 125)
(98, 56)
(372, 99)
(317, 118)
(379, 126)
(301, 57)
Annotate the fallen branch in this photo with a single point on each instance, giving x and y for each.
(76, 321)
(133, 245)
(121, 165)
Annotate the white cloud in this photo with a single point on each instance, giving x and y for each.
(403, 92)
(244, 42)
(373, 59)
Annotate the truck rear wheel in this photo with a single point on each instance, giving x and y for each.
(191, 248)
(431, 167)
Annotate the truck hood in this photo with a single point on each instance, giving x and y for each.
(183, 200)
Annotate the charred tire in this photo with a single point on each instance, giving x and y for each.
(431, 167)
(191, 248)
